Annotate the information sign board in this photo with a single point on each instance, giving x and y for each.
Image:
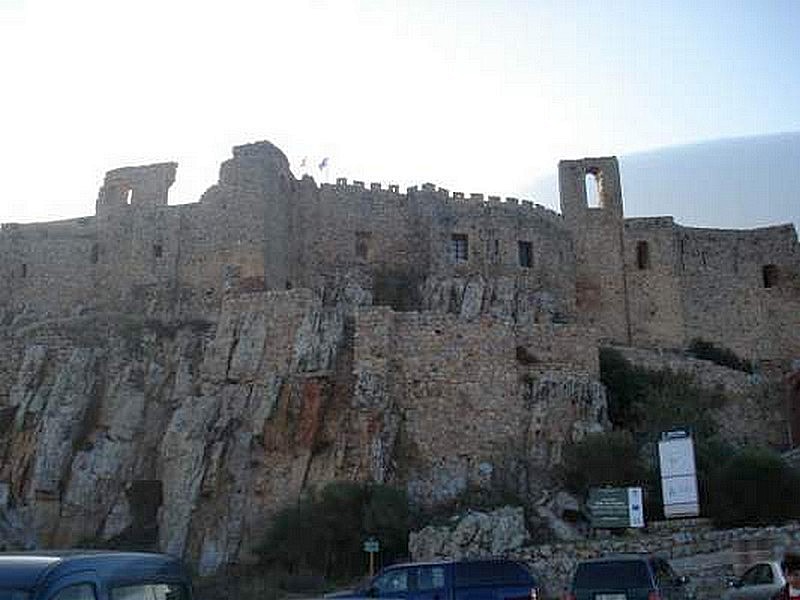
(611, 508)
(678, 475)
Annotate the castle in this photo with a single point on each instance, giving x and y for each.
(640, 282)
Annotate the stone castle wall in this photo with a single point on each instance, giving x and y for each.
(645, 282)
(685, 283)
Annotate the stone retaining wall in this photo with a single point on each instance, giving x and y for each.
(707, 556)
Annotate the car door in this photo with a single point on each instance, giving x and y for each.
(429, 582)
(393, 583)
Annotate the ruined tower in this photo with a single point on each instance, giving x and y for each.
(597, 230)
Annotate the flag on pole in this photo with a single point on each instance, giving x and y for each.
(323, 164)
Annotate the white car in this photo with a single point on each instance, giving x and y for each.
(760, 582)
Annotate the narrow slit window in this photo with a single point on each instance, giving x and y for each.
(642, 255)
(24, 271)
(769, 275)
(525, 254)
(95, 254)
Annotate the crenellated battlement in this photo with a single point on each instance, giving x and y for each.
(474, 200)
(641, 281)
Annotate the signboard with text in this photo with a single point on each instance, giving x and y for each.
(611, 508)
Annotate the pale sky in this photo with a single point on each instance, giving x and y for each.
(474, 96)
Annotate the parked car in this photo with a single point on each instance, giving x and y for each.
(627, 577)
(92, 575)
(495, 579)
(761, 581)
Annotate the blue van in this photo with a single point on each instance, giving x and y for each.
(491, 579)
(92, 575)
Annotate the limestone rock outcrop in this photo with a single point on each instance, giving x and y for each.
(472, 535)
(188, 435)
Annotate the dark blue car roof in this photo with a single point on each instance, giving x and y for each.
(26, 570)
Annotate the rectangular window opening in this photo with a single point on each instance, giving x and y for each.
(459, 248)
(363, 243)
(525, 254)
(158, 250)
(769, 274)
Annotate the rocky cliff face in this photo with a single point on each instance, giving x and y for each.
(189, 435)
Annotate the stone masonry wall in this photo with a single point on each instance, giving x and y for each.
(473, 414)
(725, 296)
(652, 278)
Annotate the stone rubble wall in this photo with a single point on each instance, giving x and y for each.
(708, 557)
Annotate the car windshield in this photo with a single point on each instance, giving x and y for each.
(612, 574)
(6, 594)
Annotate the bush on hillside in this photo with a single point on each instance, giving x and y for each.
(323, 533)
(724, 357)
(647, 402)
(602, 459)
(754, 487)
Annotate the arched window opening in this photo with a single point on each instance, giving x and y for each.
(642, 255)
(769, 274)
(593, 190)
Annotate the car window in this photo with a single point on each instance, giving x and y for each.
(610, 574)
(429, 578)
(82, 591)
(392, 582)
(758, 575)
(494, 572)
(150, 591)
(750, 576)
(763, 575)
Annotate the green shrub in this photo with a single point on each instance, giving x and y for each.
(603, 459)
(323, 533)
(724, 357)
(647, 402)
(753, 487)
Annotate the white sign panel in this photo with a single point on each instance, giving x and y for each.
(636, 506)
(676, 457)
(678, 476)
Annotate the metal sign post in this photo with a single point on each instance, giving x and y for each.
(372, 546)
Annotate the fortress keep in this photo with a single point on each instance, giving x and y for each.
(640, 282)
